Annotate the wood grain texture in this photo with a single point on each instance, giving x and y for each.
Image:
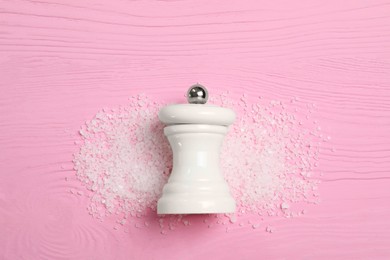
(62, 61)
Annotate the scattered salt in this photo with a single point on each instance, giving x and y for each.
(117, 166)
(267, 158)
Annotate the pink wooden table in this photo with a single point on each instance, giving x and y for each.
(62, 61)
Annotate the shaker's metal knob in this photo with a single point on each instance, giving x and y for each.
(197, 94)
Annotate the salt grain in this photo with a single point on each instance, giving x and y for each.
(269, 229)
(137, 225)
(233, 219)
(284, 205)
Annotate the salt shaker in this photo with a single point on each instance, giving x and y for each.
(195, 132)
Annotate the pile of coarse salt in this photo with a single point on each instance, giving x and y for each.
(268, 159)
(124, 159)
(269, 156)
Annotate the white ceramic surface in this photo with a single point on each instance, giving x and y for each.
(196, 184)
(196, 114)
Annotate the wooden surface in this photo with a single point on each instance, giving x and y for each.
(62, 61)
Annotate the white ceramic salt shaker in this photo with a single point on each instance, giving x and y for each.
(195, 132)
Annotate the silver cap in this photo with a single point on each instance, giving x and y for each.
(197, 94)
